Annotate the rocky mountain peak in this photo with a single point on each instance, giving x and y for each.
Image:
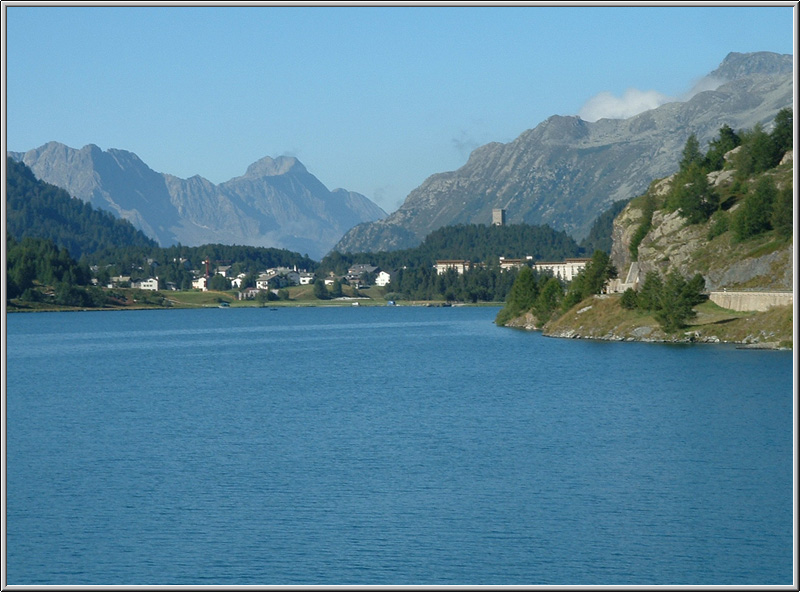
(741, 65)
(272, 167)
(563, 128)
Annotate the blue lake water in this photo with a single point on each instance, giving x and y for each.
(394, 446)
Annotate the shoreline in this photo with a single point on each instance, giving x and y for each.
(273, 306)
(601, 321)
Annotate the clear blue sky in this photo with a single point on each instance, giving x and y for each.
(372, 99)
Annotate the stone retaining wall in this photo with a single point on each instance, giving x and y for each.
(751, 301)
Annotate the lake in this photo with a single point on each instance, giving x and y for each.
(388, 446)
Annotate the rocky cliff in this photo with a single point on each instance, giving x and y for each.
(276, 203)
(566, 171)
(759, 264)
(672, 244)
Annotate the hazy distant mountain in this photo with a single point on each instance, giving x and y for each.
(566, 171)
(276, 203)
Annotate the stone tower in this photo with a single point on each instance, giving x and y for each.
(498, 217)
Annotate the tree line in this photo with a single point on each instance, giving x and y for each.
(547, 297)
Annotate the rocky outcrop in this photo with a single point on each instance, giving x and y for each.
(672, 244)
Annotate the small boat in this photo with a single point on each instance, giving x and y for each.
(224, 305)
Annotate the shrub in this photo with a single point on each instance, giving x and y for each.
(629, 299)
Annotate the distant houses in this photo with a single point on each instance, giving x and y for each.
(361, 275)
(120, 281)
(200, 283)
(148, 284)
(249, 293)
(358, 276)
(459, 265)
(564, 270)
(384, 278)
(507, 263)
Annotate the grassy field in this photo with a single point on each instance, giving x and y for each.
(298, 296)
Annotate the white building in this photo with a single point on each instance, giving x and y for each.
(291, 277)
(263, 281)
(563, 270)
(237, 281)
(460, 265)
(383, 278)
(508, 263)
(148, 284)
(200, 283)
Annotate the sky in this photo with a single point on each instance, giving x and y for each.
(373, 99)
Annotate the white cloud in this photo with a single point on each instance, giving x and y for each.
(633, 101)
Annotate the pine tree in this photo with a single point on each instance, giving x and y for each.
(718, 148)
(782, 133)
(691, 154)
(754, 215)
(782, 217)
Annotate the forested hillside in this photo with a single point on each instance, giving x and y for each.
(39, 210)
(478, 243)
(697, 220)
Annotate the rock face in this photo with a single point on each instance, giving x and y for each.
(671, 244)
(276, 203)
(566, 171)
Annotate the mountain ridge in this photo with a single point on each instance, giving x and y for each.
(566, 171)
(275, 203)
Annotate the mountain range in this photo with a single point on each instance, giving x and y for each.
(567, 171)
(276, 203)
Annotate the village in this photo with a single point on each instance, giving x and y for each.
(358, 276)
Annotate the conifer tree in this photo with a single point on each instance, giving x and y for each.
(691, 154)
(754, 215)
(783, 212)
(782, 133)
(718, 148)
